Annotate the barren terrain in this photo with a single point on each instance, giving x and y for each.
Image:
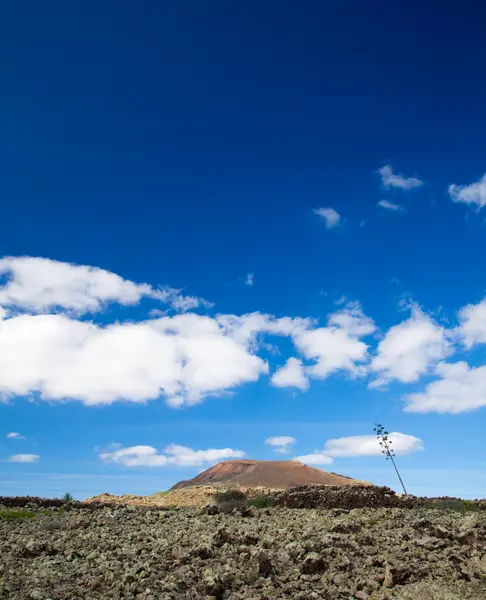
(97, 552)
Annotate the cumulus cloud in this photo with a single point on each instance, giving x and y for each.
(392, 180)
(460, 388)
(360, 445)
(332, 350)
(24, 458)
(246, 329)
(410, 349)
(185, 356)
(352, 319)
(291, 375)
(315, 458)
(173, 454)
(367, 445)
(330, 216)
(40, 284)
(472, 324)
(387, 205)
(281, 443)
(181, 358)
(338, 346)
(474, 193)
(13, 435)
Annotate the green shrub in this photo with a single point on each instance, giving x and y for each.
(67, 497)
(10, 514)
(52, 511)
(261, 501)
(453, 504)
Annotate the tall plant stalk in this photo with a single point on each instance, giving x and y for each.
(387, 449)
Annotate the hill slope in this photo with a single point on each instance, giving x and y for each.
(274, 474)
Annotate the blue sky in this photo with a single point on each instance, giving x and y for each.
(206, 191)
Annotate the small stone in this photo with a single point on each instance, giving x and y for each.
(337, 512)
(362, 595)
(51, 526)
(388, 580)
(441, 532)
(204, 551)
(482, 564)
(313, 563)
(339, 579)
(212, 583)
(466, 537)
(265, 566)
(344, 563)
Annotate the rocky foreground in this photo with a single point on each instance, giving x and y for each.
(139, 553)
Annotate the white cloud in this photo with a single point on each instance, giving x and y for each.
(474, 193)
(392, 180)
(386, 204)
(250, 279)
(472, 328)
(281, 443)
(360, 445)
(182, 358)
(24, 458)
(336, 347)
(332, 350)
(315, 458)
(330, 216)
(291, 375)
(41, 284)
(352, 319)
(410, 349)
(367, 445)
(13, 435)
(246, 329)
(461, 388)
(173, 454)
(185, 356)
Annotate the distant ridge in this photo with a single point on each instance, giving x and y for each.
(273, 474)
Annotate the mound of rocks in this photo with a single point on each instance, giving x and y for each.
(356, 496)
(26, 501)
(34, 503)
(140, 553)
(349, 497)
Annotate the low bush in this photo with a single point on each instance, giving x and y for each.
(224, 496)
(261, 501)
(227, 500)
(11, 515)
(454, 504)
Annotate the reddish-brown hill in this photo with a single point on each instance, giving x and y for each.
(274, 474)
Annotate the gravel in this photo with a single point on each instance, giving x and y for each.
(138, 553)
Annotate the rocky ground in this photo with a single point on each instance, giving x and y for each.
(147, 553)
